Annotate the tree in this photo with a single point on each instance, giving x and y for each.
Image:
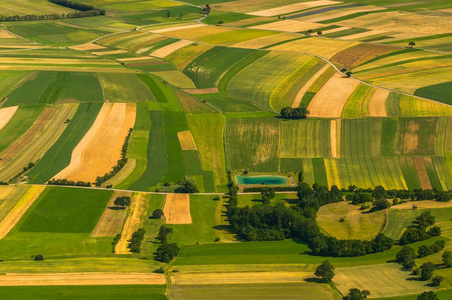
(436, 280)
(310, 31)
(157, 214)
(424, 251)
(122, 201)
(349, 73)
(356, 294)
(319, 33)
(409, 263)
(380, 204)
(427, 270)
(325, 271)
(267, 194)
(220, 23)
(39, 257)
(411, 44)
(434, 231)
(168, 14)
(427, 296)
(447, 259)
(294, 113)
(187, 186)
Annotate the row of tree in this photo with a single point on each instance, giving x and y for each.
(121, 163)
(419, 231)
(166, 252)
(54, 181)
(136, 240)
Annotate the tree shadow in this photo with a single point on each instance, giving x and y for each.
(313, 280)
(116, 208)
(414, 279)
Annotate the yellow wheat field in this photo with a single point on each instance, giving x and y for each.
(186, 140)
(177, 209)
(6, 114)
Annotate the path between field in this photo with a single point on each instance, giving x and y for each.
(13, 279)
(240, 277)
(19, 209)
(133, 222)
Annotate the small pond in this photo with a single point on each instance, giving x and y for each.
(267, 179)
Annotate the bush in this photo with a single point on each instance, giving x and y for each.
(159, 270)
(39, 257)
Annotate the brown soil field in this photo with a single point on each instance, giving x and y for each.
(411, 139)
(377, 104)
(136, 213)
(10, 220)
(288, 25)
(202, 91)
(186, 140)
(177, 28)
(177, 209)
(422, 172)
(28, 137)
(6, 114)
(100, 148)
(109, 52)
(345, 13)
(16, 279)
(86, 47)
(291, 8)
(308, 84)
(167, 50)
(239, 277)
(422, 205)
(330, 100)
(356, 55)
(112, 219)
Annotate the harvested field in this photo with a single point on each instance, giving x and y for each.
(36, 141)
(425, 204)
(386, 280)
(6, 35)
(178, 28)
(333, 136)
(265, 41)
(12, 279)
(87, 47)
(186, 140)
(137, 59)
(202, 91)
(19, 209)
(334, 30)
(417, 136)
(136, 214)
(330, 100)
(167, 50)
(377, 104)
(242, 277)
(112, 52)
(288, 26)
(177, 209)
(5, 191)
(422, 172)
(6, 114)
(345, 13)
(291, 8)
(361, 35)
(112, 219)
(100, 148)
(308, 84)
(359, 54)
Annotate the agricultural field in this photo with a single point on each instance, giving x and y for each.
(125, 126)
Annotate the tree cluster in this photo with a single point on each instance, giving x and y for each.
(262, 223)
(427, 296)
(425, 250)
(294, 113)
(136, 240)
(24, 170)
(419, 233)
(54, 181)
(356, 294)
(407, 255)
(187, 186)
(166, 252)
(325, 271)
(121, 163)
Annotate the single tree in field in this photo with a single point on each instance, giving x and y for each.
(39, 257)
(122, 201)
(267, 194)
(447, 259)
(310, 31)
(157, 214)
(356, 294)
(220, 23)
(411, 44)
(325, 271)
(168, 14)
(436, 280)
(348, 74)
(319, 33)
(427, 296)
(427, 270)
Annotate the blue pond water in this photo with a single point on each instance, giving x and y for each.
(267, 179)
